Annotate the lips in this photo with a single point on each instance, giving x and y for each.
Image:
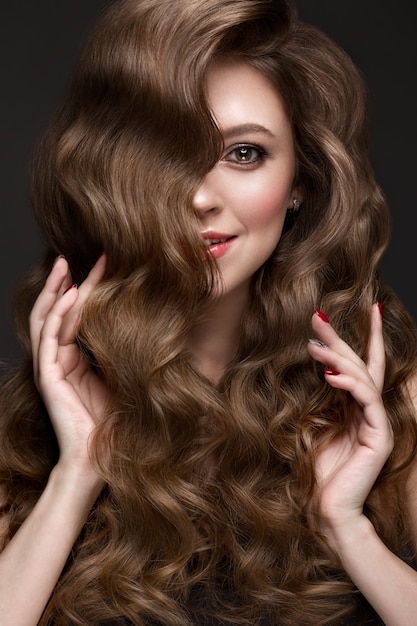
(211, 236)
(218, 243)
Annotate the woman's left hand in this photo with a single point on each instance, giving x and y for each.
(347, 466)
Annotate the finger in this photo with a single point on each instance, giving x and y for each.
(69, 325)
(329, 339)
(49, 339)
(345, 373)
(355, 379)
(334, 363)
(58, 280)
(350, 373)
(375, 360)
(373, 427)
(332, 351)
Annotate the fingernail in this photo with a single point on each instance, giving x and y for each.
(381, 308)
(74, 286)
(318, 343)
(331, 372)
(322, 316)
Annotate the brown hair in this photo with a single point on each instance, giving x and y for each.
(116, 171)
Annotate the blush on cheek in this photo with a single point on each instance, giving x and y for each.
(270, 206)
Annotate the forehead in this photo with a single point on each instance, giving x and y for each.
(239, 94)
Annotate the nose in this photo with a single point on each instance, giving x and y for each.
(207, 197)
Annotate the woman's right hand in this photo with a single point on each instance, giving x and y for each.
(74, 396)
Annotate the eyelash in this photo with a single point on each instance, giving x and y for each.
(261, 154)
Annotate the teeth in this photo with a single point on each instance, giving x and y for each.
(211, 242)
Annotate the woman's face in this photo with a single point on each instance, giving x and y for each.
(242, 202)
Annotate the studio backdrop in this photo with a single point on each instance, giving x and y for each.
(41, 40)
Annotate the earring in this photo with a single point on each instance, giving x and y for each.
(295, 205)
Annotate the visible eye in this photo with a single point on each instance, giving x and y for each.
(245, 154)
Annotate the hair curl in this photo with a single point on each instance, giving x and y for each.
(207, 487)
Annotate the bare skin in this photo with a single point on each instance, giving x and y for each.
(346, 470)
(76, 398)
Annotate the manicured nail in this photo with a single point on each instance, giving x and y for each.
(331, 372)
(322, 316)
(74, 286)
(318, 343)
(381, 308)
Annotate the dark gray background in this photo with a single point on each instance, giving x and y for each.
(41, 39)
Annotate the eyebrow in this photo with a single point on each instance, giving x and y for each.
(242, 129)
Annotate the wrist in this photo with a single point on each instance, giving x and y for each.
(80, 480)
(348, 533)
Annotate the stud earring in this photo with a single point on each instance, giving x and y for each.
(295, 205)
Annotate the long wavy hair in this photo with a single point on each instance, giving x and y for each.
(207, 485)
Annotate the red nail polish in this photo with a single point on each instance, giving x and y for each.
(331, 372)
(71, 287)
(381, 308)
(322, 316)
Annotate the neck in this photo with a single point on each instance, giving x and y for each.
(215, 338)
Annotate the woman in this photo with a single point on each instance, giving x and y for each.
(191, 439)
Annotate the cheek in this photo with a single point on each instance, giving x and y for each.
(266, 204)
